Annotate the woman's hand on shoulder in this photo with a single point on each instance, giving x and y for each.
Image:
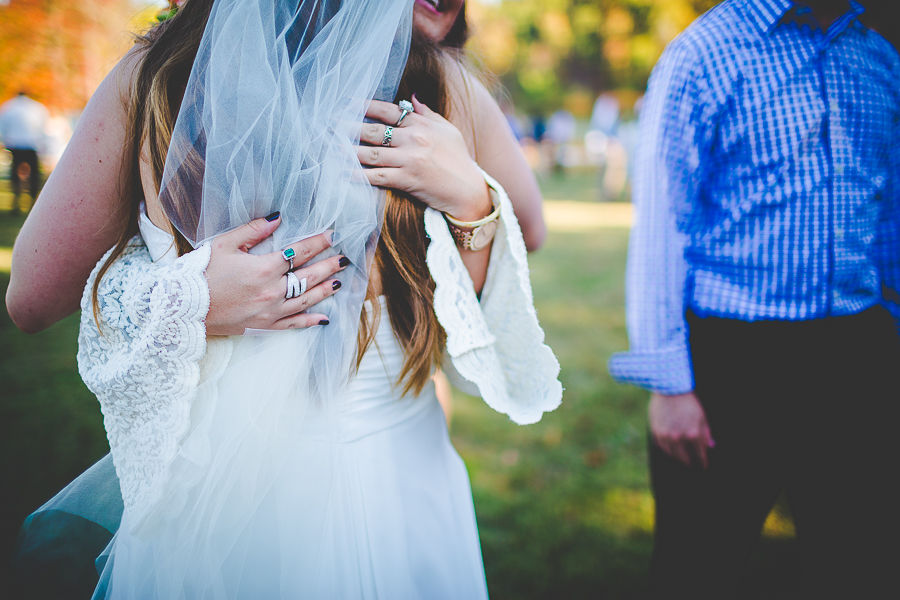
(425, 156)
(248, 291)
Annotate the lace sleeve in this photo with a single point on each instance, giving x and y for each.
(143, 362)
(496, 344)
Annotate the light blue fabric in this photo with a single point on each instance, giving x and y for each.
(766, 183)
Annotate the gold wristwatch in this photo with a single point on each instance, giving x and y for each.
(483, 230)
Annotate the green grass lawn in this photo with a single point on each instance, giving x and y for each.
(563, 506)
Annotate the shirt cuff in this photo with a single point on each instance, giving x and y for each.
(665, 372)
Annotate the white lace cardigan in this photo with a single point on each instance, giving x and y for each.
(147, 366)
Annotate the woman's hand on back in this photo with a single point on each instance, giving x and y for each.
(427, 157)
(248, 291)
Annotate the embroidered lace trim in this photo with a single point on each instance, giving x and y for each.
(497, 343)
(143, 362)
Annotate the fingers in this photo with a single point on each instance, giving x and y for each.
(680, 452)
(699, 447)
(680, 429)
(388, 178)
(373, 133)
(246, 236)
(312, 297)
(379, 156)
(689, 450)
(389, 113)
(301, 321)
(304, 251)
(386, 112)
(316, 274)
(674, 448)
(422, 109)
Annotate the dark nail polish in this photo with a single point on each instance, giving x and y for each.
(273, 216)
(324, 322)
(336, 285)
(343, 262)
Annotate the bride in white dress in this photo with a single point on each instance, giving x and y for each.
(280, 464)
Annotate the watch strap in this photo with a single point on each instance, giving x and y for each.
(495, 201)
(463, 238)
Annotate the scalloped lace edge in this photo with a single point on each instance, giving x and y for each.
(472, 336)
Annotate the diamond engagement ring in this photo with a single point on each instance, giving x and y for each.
(295, 287)
(388, 134)
(406, 107)
(288, 254)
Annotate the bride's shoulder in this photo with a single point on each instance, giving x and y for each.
(124, 75)
(473, 108)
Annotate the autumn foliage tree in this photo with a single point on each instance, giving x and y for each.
(59, 50)
(549, 53)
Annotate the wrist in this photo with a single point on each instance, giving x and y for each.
(475, 206)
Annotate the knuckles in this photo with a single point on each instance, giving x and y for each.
(268, 296)
(304, 253)
(420, 139)
(371, 131)
(418, 162)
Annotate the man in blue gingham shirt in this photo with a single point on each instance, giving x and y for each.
(763, 264)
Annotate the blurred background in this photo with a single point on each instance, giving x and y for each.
(564, 506)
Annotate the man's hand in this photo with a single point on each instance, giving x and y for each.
(678, 425)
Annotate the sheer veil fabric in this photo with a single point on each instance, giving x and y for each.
(269, 121)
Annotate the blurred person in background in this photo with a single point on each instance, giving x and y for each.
(629, 134)
(605, 114)
(560, 131)
(22, 131)
(762, 295)
(608, 140)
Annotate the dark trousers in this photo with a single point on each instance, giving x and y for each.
(809, 408)
(22, 157)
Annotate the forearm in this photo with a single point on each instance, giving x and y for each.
(477, 263)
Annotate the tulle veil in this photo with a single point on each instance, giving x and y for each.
(270, 120)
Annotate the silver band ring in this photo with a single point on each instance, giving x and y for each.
(303, 284)
(388, 135)
(294, 286)
(288, 254)
(406, 107)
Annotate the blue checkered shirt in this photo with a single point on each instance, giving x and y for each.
(766, 184)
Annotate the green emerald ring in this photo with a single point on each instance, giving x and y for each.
(288, 254)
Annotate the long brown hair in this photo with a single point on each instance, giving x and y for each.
(166, 54)
(166, 60)
(400, 257)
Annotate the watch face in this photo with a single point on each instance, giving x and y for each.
(483, 235)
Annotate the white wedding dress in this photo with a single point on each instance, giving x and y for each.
(371, 503)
